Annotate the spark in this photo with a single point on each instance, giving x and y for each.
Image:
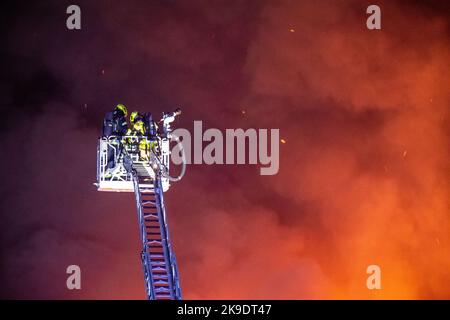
(283, 141)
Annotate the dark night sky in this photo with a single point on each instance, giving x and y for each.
(363, 174)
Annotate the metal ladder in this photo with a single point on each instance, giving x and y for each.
(158, 259)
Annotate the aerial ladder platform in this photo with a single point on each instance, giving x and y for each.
(148, 178)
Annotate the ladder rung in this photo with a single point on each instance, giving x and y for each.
(148, 212)
(161, 264)
(156, 271)
(151, 220)
(159, 268)
(154, 225)
(148, 219)
(155, 249)
(158, 259)
(154, 257)
(164, 296)
(159, 272)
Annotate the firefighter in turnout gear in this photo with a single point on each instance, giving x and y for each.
(115, 122)
(136, 141)
(144, 136)
(114, 126)
(150, 126)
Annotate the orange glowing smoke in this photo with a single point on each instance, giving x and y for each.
(378, 203)
(363, 180)
(361, 198)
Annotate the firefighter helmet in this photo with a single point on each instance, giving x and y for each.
(122, 108)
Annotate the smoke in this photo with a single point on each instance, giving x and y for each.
(363, 171)
(374, 160)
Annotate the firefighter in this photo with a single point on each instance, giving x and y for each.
(136, 141)
(150, 126)
(114, 126)
(115, 122)
(137, 131)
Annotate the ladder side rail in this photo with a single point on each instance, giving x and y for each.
(174, 286)
(164, 234)
(174, 267)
